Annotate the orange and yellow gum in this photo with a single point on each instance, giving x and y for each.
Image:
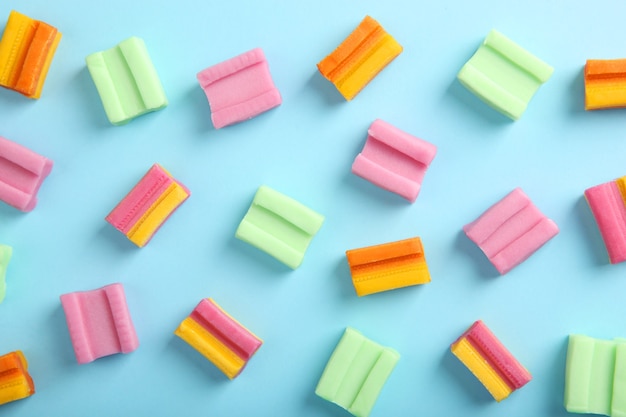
(473, 360)
(15, 51)
(350, 68)
(156, 214)
(392, 271)
(15, 383)
(605, 84)
(210, 347)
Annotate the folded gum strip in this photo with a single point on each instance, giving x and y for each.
(510, 88)
(148, 205)
(99, 323)
(126, 80)
(609, 210)
(394, 159)
(591, 373)
(22, 173)
(511, 230)
(245, 103)
(359, 58)
(27, 49)
(15, 381)
(388, 266)
(143, 195)
(280, 226)
(605, 83)
(226, 329)
(219, 337)
(356, 373)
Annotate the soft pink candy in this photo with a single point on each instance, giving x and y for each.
(22, 172)
(609, 210)
(394, 160)
(511, 230)
(239, 88)
(99, 323)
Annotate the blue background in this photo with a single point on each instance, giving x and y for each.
(305, 148)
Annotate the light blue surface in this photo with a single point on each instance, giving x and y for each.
(304, 149)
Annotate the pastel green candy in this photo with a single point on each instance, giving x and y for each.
(280, 226)
(504, 75)
(5, 257)
(127, 81)
(356, 373)
(595, 376)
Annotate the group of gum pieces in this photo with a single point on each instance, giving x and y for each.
(508, 232)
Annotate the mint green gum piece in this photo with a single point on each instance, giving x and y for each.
(356, 373)
(590, 374)
(126, 81)
(5, 257)
(280, 226)
(504, 75)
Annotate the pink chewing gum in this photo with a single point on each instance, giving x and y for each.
(148, 205)
(99, 323)
(22, 172)
(492, 364)
(498, 356)
(608, 205)
(232, 334)
(511, 230)
(239, 89)
(394, 160)
(219, 337)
